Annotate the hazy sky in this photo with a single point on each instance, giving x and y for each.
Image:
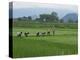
(60, 9)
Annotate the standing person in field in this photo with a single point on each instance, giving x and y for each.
(53, 30)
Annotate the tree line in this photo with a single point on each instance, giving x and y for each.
(53, 17)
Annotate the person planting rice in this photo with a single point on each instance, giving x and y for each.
(48, 33)
(26, 34)
(19, 34)
(43, 33)
(53, 30)
(37, 34)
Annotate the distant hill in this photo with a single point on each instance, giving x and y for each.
(72, 16)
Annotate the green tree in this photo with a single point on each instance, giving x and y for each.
(24, 18)
(19, 19)
(53, 17)
(54, 14)
(29, 18)
(61, 21)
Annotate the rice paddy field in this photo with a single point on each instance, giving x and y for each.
(64, 42)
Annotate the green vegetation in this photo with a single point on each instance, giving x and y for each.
(63, 43)
(34, 24)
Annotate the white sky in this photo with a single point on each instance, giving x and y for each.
(17, 5)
